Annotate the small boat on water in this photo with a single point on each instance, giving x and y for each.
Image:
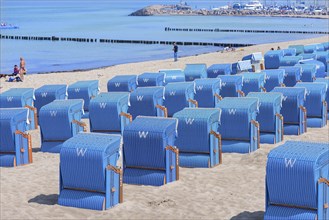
(8, 26)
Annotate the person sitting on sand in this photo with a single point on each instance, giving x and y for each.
(15, 72)
(15, 75)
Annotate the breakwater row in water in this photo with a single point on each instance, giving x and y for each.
(114, 41)
(243, 31)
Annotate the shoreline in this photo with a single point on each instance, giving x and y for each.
(234, 189)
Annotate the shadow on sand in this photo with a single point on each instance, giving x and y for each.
(249, 215)
(45, 199)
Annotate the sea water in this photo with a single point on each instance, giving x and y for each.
(100, 19)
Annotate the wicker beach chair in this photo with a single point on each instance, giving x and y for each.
(85, 90)
(122, 83)
(173, 75)
(149, 155)
(274, 78)
(308, 72)
(325, 80)
(257, 61)
(292, 75)
(290, 60)
(198, 142)
(178, 96)
(15, 142)
(195, 71)
(315, 103)
(253, 82)
(59, 121)
(238, 127)
(21, 97)
(311, 48)
(108, 112)
(208, 92)
(320, 67)
(323, 56)
(269, 118)
(299, 49)
(89, 176)
(151, 79)
(273, 58)
(293, 109)
(219, 69)
(297, 185)
(231, 86)
(48, 93)
(241, 66)
(147, 101)
(290, 52)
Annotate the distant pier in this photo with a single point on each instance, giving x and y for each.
(118, 41)
(244, 31)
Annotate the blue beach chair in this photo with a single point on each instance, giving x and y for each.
(325, 80)
(89, 177)
(239, 128)
(297, 181)
(257, 61)
(219, 69)
(147, 101)
(15, 143)
(231, 86)
(198, 142)
(292, 75)
(290, 60)
(178, 96)
(149, 155)
(311, 48)
(241, 66)
(325, 46)
(308, 72)
(253, 82)
(269, 118)
(290, 51)
(108, 112)
(21, 97)
(195, 71)
(308, 56)
(320, 67)
(293, 110)
(48, 93)
(151, 79)
(173, 75)
(59, 121)
(323, 56)
(299, 49)
(272, 59)
(85, 90)
(274, 78)
(315, 103)
(123, 83)
(208, 92)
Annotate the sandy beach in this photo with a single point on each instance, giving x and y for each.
(233, 190)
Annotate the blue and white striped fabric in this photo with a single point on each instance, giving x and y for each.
(292, 104)
(290, 52)
(243, 66)
(308, 72)
(235, 126)
(151, 79)
(105, 112)
(272, 59)
(315, 103)
(299, 48)
(21, 97)
(293, 75)
(143, 101)
(274, 78)
(219, 69)
(290, 60)
(311, 48)
(85, 90)
(270, 125)
(56, 123)
(325, 80)
(231, 85)
(254, 57)
(122, 83)
(195, 71)
(292, 181)
(85, 180)
(253, 82)
(197, 146)
(177, 96)
(320, 67)
(146, 158)
(13, 147)
(207, 92)
(173, 75)
(48, 93)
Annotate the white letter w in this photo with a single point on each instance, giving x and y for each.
(81, 151)
(289, 162)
